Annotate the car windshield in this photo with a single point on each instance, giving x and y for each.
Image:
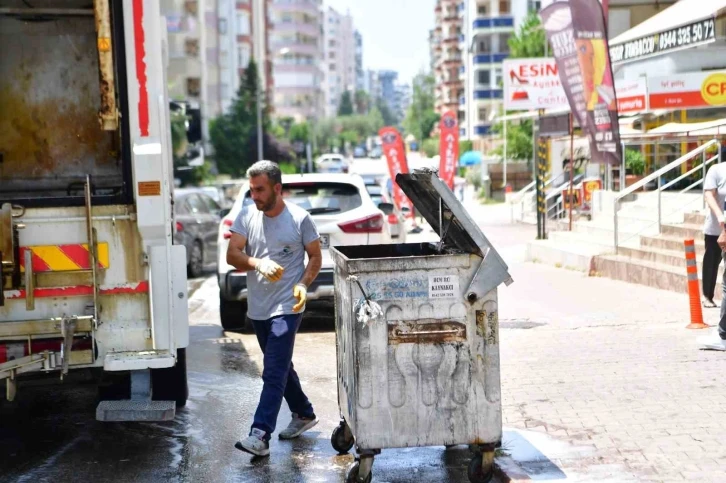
(374, 190)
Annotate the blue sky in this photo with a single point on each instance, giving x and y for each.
(395, 32)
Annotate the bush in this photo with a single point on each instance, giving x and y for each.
(473, 177)
(634, 161)
(288, 168)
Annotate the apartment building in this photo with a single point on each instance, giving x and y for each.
(339, 58)
(296, 55)
(359, 72)
(387, 80)
(447, 57)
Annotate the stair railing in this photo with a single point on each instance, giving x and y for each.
(701, 150)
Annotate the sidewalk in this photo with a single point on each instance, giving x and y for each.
(603, 382)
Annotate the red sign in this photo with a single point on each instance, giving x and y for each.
(448, 148)
(632, 96)
(395, 152)
(693, 89)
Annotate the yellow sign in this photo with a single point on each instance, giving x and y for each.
(713, 89)
(104, 44)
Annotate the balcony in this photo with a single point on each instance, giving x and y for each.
(295, 47)
(303, 6)
(485, 94)
(482, 130)
(311, 29)
(505, 23)
(490, 58)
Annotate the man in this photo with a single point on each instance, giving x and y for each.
(269, 241)
(714, 191)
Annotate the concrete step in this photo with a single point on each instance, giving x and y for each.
(673, 258)
(695, 218)
(684, 230)
(572, 255)
(671, 243)
(648, 273)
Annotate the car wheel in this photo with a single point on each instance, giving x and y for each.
(170, 384)
(196, 261)
(233, 315)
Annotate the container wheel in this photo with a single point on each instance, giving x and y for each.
(342, 438)
(351, 476)
(481, 467)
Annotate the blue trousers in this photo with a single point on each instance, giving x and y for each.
(276, 337)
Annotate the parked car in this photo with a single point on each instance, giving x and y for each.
(331, 163)
(394, 216)
(344, 213)
(197, 218)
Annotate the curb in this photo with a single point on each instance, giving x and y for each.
(508, 471)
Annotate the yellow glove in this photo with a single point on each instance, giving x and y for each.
(270, 270)
(300, 292)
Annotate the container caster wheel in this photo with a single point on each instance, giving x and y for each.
(481, 467)
(353, 475)
(342, 438)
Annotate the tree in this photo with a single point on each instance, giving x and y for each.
(346, 104)
(529, 40)
(421, 117)
(376, 120)
(234, 133)
(389, 118)
(519, 140)
(362, 102)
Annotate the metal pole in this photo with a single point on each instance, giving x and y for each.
(572, 165)
(260, 153)
(537, 196)
(615, 223)
(622, 169)
(504, 175)
(703, 161)
(659, 207)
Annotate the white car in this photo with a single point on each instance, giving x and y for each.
(344, 214)
(331, 163)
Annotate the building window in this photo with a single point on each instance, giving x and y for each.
(534, 5)
(243, 23)
(504, 7)
(332, 67)
(331, 55)
(484, 46)
(243, 55)
(194, 86)
(484, 77)
(482, 10)
(222, 25)
(504, 43)
(498, 78)
(191, 47)
(483, 114)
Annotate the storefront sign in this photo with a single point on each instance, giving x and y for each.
(681, 91)
(696, 33)
(632, 96)
(532, 84)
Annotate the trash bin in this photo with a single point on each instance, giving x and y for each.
(425, 370)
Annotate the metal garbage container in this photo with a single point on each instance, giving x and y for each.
(426, 371)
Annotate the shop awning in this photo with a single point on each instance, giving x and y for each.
(709, 128)
(646, 39)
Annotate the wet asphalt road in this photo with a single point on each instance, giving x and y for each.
(50, 433)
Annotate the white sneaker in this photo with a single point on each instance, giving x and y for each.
(712, 342)
(297, 427)
(254, 443)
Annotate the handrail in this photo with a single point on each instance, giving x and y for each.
(657, 176)
(673, 164)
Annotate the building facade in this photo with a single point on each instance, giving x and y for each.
(447, 49)
(296, 53)
(387, 80)
(339, 58)
(359, 72)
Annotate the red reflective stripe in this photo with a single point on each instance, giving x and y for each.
(39, 265)
(140, 53)
(80, 290)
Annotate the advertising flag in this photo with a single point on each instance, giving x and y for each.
(576, 31)
(395, 152)
(448, 147)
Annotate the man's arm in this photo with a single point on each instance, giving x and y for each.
(236, 255)
(315, 261)
(712, 203)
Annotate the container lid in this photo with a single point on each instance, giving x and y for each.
(428, 193)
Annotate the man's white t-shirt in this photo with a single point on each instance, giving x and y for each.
(715, 180)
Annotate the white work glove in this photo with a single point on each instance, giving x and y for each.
(300, 292)
(270, 270)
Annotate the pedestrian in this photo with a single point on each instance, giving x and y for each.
(269, 242)
(714, 191)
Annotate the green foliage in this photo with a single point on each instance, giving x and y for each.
(465, 146)
(234, 134)
(473, 177)
(346, 104)
(634, 161)
(362, 102)
(529, 40)
(519, 139)
(179, 142)
(376, 120)
(288, 168)
(430, 147)
(389, 117)
(421, 117)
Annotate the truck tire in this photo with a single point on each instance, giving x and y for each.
(170, 384)
(233, 315)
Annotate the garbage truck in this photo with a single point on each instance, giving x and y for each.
(90, 277)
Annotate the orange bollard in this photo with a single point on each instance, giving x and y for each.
(693, 287)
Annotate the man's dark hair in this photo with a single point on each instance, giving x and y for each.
(272, 170)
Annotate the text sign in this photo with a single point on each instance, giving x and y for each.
(696, 33)
(443, 286)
